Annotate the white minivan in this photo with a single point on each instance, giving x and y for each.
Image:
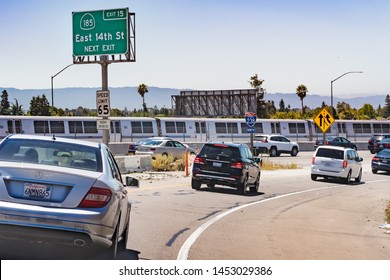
(336, 162)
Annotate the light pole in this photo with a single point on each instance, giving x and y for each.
(331, 86)
(52, 90)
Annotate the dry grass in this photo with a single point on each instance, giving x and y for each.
(269, 165)
(387, 213)
(168, 163)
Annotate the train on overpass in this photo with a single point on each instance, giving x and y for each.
(130, 129)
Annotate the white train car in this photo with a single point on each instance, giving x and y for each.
(229, 129)
(130, 129)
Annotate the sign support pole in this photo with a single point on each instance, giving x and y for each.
(104, 64)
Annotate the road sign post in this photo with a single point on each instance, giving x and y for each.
(250, 119)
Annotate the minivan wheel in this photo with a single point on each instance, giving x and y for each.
(348, 179)
(359, 178)
(195, 184)
(313, 177)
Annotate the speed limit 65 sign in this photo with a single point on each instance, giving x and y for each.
(103, 103)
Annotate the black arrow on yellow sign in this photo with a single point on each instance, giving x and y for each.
(326, 120)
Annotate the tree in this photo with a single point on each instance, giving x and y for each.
(282, 106)
(345, 111)
(386, 108)
(256, 83)
(142, 89)
(39, 106)
(301, 92)
(16, 109)
(4, 110)
(367, 112)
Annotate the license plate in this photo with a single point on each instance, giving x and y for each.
(37, 191)
(217, 164)
(384, 161)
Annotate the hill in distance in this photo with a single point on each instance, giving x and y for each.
(128, 97)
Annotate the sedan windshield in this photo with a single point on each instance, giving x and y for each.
(51, 153)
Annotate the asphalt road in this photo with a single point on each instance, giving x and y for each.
(290, 218)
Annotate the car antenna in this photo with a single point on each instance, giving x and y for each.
(54, 137)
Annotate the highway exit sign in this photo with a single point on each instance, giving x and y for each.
(324, 120)
(103, 32)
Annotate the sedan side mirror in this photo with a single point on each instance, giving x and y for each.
(132, 182)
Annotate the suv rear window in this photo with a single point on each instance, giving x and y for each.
(330, 153)
(261, 138)
(219, 150)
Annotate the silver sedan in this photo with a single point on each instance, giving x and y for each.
(62, 192)
(164, 147)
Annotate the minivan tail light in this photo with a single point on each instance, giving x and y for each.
(198, 160)
(313, 159)
(96, 198)
(345, 163)
(237, 165)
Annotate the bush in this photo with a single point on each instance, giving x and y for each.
(168, 163)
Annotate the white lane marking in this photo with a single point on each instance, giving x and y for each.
(185, 248)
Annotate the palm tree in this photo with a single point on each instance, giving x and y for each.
(142, 89)
(16, 109)
(301, 92)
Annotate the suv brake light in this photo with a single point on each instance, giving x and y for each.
(345, 163)
(198, 160)
(96, 198)
(237, 165)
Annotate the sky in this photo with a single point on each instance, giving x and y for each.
(208, 44)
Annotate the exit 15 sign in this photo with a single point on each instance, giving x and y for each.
(103, 32)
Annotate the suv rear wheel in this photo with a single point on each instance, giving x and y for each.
(243, 187)
(195, 184)
(273, 152)
(255, 187)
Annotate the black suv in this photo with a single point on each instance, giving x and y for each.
(375, 139)
(227, 164)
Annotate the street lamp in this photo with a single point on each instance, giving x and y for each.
(52, 91)
(331, 86)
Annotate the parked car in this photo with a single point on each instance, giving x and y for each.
(381, 161)
(275, 145)
(320, 141)
(227, 164)
(164, 147)
(336, 141)
(61, 191)
(336, 162)
(134, 146)
(374, 139)
(382, 144)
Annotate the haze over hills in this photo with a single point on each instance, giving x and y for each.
(128, 97)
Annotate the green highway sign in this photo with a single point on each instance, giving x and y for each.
(102, 32)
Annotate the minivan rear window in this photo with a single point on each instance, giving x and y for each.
(330, 153)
